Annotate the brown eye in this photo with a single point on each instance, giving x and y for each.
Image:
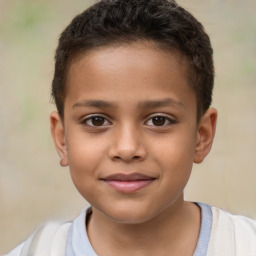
(96, 121)
(158, 120)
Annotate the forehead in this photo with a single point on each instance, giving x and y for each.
(136, 70)
(133, 53)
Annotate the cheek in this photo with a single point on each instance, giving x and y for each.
(175, 156)
(83, 166)
(84, 158)
(84, 150)
(179, 148)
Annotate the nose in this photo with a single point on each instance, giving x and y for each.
(127, 145)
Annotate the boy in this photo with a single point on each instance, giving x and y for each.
(133, 86)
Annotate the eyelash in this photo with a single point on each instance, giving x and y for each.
(167, 121)
(90, 118)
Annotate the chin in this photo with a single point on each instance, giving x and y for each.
(129, 215)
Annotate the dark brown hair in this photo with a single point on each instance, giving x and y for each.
(125, 21)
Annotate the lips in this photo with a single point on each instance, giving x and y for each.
(128, 183)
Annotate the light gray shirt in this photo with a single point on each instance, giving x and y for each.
(78, 243)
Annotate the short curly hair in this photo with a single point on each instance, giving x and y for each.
(109, 22)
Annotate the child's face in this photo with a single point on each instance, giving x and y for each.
(130, 135)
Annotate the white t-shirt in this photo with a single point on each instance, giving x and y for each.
(221, 234)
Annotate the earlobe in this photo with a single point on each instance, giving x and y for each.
(58, 135)
(205, 135)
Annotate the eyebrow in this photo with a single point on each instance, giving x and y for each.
(94, 103)
(143, 104)
(160, 103)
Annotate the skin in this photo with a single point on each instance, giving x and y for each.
(127, 88)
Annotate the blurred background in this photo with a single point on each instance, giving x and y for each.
(34, 188)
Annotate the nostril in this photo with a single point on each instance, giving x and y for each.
(127, 158)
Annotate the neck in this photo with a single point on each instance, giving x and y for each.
(176, 229)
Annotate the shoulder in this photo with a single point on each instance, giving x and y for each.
(232, 234)
(49, 239)
(16, 251)
(225, 222)
(57, 239)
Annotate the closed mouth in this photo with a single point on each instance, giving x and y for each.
(128, 177)
(128, 183)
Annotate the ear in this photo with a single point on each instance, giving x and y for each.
(205, 135)
(58, 135)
